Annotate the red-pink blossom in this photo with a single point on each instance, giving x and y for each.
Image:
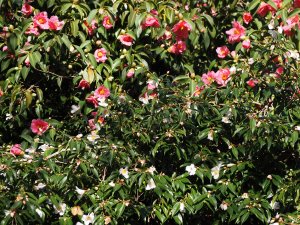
(91, 27)
(92, 124)
(280, 70)
(92, 99)
(246, 44)
(181, 30)
(55, 24)
(39, 126)
(102, 92)
(235, 33)
(264, 9)
(151, 84)
(150, 22)
(291, 23)
(83, 84)
(107, 22)
(222, 51)
(41, 20)
(16, 150)
(100, 55)
(126, 39)
(178, 48)
(222, 76)
(27, 9)
(208, 78)
(198, 90)
(247, 17)
(154, 12)
(297, 3)
(252, 83)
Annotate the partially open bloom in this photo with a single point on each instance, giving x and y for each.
(247, 17)
(100, 55)
(150, 185)
(222, 76)
(16, 150)
(215, 171)
(27, 9)
(55, 24)
(264, 9)
(181, 30)
(92, 99)
(150, 22)
(222, 51)
(60, 209)
(83, 84)
(39, 126)
(246, 44)
(91, 27)
(41, 20)
(151, 84)
(124, 172)
(107, 22)
(252, 83)
(290, 24)
(126, 39)
(130, 73)
(102, 92)
(93, 136)
(178, 48)
(198, 90)
(191, 169)
(209, 77)
(235, 33)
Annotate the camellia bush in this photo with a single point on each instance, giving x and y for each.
(149, 112)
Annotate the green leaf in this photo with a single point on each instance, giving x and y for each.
(92, 15)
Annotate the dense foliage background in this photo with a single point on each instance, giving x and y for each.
(149, 112)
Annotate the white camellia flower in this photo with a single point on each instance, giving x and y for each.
(88, 219)
(79, 191)
(150, 185)
(191, 169)
(44, 147)
(181, 207)
(112, 184)
(75, 108)
(224, 206)
(40, 212)
(151, 170)
(101, 102)
(215, 171)
(60, 209)
(124, 172)
(39, 186)
(93, 136)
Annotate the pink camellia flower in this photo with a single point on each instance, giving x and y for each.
(247, 18)
(130, 73)
(83, 84)
(151, 85)
(41, 20)
(107, 23)
(264, 9)
(181, 30)
(126, 39)
(16, 150)
(235, 33)
(91, 27)
(92, 124)
(102, 92)
(222, 51)
(178, 48)
(100, 55)
(27, 9)
(291, 23)
(27, 61)
(246, 44)
(92, 99)
(252, 83)
(208, 78)
(32, 30)
(55, 24)
(150, 22)
(5, 48)
(39, 126)
(280, 70)
(278, 3)
(222, 76)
